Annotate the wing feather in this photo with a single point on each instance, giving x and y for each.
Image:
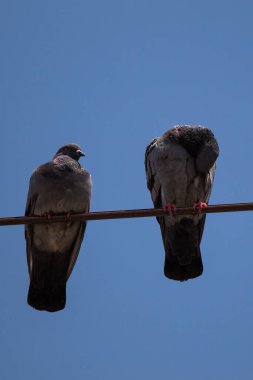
(29, 211)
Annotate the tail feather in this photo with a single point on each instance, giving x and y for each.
(182, 253)
(47, 299)
(175, 271)
(47, 290)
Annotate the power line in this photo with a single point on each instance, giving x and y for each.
(121, 214)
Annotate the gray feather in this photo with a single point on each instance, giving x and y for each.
(180, 167)
(60, 186)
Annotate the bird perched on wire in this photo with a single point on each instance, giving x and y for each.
(60, 186)
(180, 168)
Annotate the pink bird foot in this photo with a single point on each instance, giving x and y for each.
(199, 207)
(170, 208)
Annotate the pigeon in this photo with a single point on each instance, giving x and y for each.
(60, 186)
(180, 167)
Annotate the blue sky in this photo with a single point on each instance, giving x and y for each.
(111, 76)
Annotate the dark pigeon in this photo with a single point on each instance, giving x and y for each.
(180, 168)
(60, 186)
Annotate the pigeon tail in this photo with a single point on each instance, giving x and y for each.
(47, 289)
(175, 271)
(47, 299)
(183, 257)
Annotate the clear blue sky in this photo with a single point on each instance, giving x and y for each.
(110, 76)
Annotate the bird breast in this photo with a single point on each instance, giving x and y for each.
(70, 193)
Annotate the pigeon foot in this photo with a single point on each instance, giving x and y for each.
(199, 207)
(48, 215)
(170, 208)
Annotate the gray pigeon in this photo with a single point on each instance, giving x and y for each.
(180, 168)
(60, 186)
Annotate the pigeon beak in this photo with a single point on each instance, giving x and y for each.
(80, 153)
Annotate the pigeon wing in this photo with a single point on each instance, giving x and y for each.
(29, 211)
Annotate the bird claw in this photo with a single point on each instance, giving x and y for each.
(199, 207)
(170, 208)
(69, 213)
(48, 215)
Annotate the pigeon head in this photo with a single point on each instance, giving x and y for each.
(72, 150)
(193, 138)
